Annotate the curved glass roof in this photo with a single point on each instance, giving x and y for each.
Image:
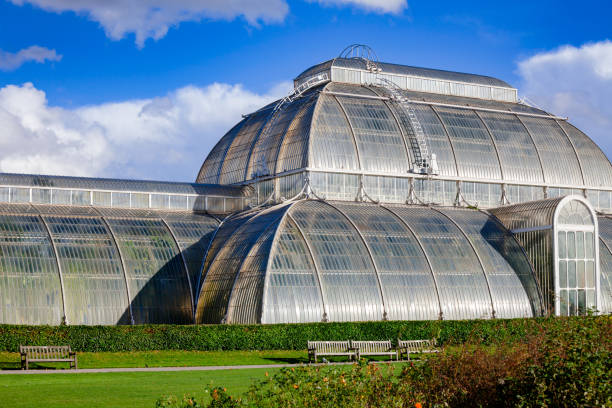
(82, 265)
(605, 254)
(345, 128)
(311, 260)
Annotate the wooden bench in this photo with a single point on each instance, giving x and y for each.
(330, 348)
(47, 354)
(405, 347)
(374, 348)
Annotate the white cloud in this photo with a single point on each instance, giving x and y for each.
(164, 138)
(11, 61)
(574, 82)
(152, 18)
(377, 6)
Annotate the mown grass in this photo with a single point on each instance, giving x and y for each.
(140, 389)
(166, 358)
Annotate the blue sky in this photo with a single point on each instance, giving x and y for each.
(104, 65)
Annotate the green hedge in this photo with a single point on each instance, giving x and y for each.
(259, 337)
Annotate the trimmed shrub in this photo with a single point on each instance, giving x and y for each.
(260, 337)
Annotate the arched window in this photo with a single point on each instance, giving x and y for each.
(576, 258)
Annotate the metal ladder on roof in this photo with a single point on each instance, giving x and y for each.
(261, 166)
(423, 162)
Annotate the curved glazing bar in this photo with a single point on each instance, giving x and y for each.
(154, 269)
(332, 145)
(605, 283)
(509, 295)
(596, 167)
(558, 156)
(193, 233)
(406, 279)
(94, 282)
(224, 268)
(211, 168)
(262, 159)
(347, 275)
(29, 278)
(474, 150)
(293, 292)
(292, 152)
(236, 159)
(517, 153)
(246, 296)
(461, 282)
(380, 144)
(226, 229)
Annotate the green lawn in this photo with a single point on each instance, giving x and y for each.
(117, 389)
(168, 358)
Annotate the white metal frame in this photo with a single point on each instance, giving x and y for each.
(556, 228)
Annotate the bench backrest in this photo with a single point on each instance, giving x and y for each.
(45, 352)
(329, 346)
(417, 345)
(372, 346)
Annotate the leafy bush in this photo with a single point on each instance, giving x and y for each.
(565, 362)
(259, 337)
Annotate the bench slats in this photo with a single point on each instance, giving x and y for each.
(47, 354)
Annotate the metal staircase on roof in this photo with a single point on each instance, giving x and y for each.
(424, 163)
(261, 167)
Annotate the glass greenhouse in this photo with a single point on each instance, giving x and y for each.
(374, 191)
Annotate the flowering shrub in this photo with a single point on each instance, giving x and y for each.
(567, 362)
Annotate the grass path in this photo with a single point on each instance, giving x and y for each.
(168, 358)
(118, 389)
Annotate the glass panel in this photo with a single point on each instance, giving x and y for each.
(41, 196)
(571, 245)
(234, 166)
(94, 282)
(102, 198)
(581, 281)
(564, 303)
(595, 165)
(294, 150)
(332, 143)
(232, 251)
(498, 255)
(80, 197)
(588, 244)
(517, 152)
(605, 277)
(348, 278)
(60, 197)
(121, 200)
(193, 233)
(558, 156)
(461, 282)
(264, 156)
(209, 173)
(579, 244)
(562, 274)
(571, 274)
(573, 309)
(29, 279)
(154, 270)
(590, 274)
(381, 146)
(407, 281)
(562, 235)
(294, 294)
(474, 150)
